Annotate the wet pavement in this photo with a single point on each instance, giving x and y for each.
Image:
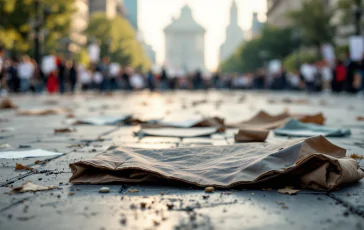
(157, 206)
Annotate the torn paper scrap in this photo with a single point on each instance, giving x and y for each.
(28, 153)
(295, 128)
(104, 120)
(251, 135)
(30, 187)
(177, 132)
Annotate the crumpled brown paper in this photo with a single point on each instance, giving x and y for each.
(313, 163)
(6, 103)
(251, 135)
(265, 121)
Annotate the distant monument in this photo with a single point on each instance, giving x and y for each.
(234, 35)
(256, 25)
(185, 43)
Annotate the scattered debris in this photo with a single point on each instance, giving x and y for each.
(43, 112)
(64, 130)
(104, 190)
(170, 206)
(143, 205)
(30, 187)
(22, 167)
(356, 156)
(6, 103)
(70, 115)
(359, 118)
(71, 193)
(205, 197)
(209, 189)
(288, 190)
(133, 190)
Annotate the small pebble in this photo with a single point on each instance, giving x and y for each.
(209, 189)
(104, 190)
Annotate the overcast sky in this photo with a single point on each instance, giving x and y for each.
(154, 15)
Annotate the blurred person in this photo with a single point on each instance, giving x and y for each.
(52, 82)
(25, 73)
(13, 80)
(125, 78)
(164, 80)
(216, 80)
(61, 67)
(294, 81)
(104, 67)
(339, 77)
(309, 71)
(326, 74)
(98, 79)
(85, 78)
(259, 79)
(137, 81)
(114, 72)
(151, 80)
(34, 80)
(197, 80)
(72, 75)
(361, 73)
(350, 73)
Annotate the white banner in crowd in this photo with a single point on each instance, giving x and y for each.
(356, 45)
(94, 52)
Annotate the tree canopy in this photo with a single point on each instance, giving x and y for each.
(117, 39)
(18, 18)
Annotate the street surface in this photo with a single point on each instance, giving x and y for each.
(157, 206)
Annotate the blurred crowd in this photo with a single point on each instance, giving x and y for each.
(57, 75)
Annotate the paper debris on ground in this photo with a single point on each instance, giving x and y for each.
(177, 132)
(28, 153)
(6, 103)
(251, 164)
(64, 130)
(22, 167)
(30, 187)
(103, 120)
(288, 190)
(295, 128)
(251, 135)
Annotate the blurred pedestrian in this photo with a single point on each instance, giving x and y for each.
(104, 68)
(61, 74)
(350, 73)
(151, 81)
(13, 80)
(2, 67)
(25, 73)
(197, 80)
(114, 71)
(52, 82)
(339, 77)
(72, 74)
(309, 71)
(125, 78)
(137, 81)
(85, 78)
(164, 80)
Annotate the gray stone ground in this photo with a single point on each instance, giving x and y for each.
(88, 209)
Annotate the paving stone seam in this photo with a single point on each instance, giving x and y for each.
(351, 208)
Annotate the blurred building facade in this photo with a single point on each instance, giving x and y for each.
(185, 43)
(257, 25)
(131, 11)
(234, 35)
(110, 7)
(278, 9)
(79, 23)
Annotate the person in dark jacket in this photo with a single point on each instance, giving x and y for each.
(151, 81)
(62, 75)
(72, 76)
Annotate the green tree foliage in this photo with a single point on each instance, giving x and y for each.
(117, 39)
(290, 62)
(17, 19)
(273, 43)
(345, 10)
(313, 19)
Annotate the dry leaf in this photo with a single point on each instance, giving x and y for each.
(133, 190)
(356, 156)
(288, 190)
(209, 189)
(6, 103)
(30, 187)
(70, 115)
(22, 167)
(43, 112)
(359, 118)
(63, 130)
